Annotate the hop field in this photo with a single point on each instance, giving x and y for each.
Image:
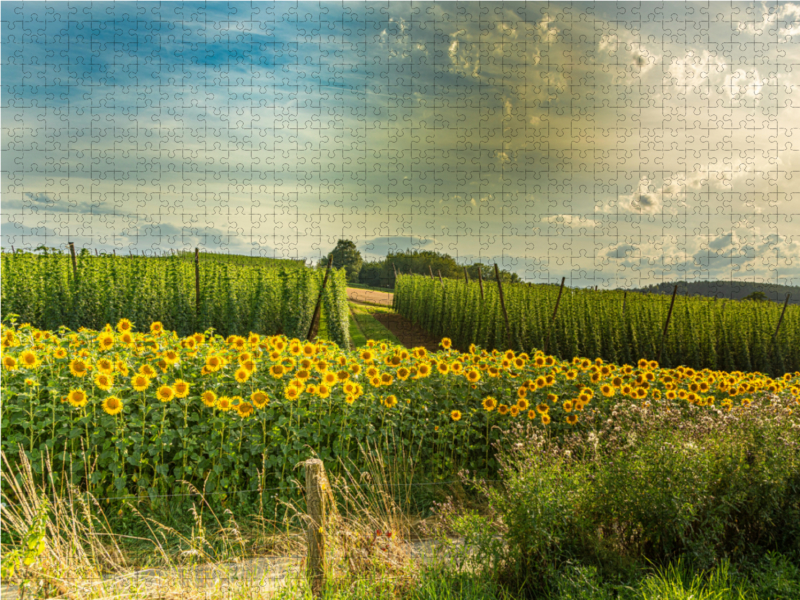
(146, 413)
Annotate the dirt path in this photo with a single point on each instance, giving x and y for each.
(370, 296)
(406, 332)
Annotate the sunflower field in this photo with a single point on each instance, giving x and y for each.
(145, 413)
(617, 327)
(234, 298)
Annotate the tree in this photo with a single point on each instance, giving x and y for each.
(756, 296)
(346, 256)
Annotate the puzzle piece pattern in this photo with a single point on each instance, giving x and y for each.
(613, 144)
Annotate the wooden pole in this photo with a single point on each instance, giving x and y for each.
(480, 282)
(315, 536)
(197, 280)
(553, 318)
(440, 278)
(95, 252)
(12, 249)
(666, 324)
(625, 299)
(431, 270)
(74, 261)
(319, 298)
(503, 305)
(466, 275)
(780, 320)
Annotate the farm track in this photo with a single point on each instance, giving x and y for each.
(370, 296)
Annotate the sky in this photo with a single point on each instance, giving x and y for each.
(613, 144)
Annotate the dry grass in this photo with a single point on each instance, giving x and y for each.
(83, 558)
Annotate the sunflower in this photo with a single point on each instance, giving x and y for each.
(171, 357)
(514, 410)
(375, 382)
(502, 409)
(386, 379)
(456, 367)
(245, 409)
(105, 366)
(389, 401)
(523, 404)
(259, 398)
(224, 403)
(291, 392)
(355, 369)
(442, 367)
(77, 398)
(531, 415)
(277, 371)
(147, 371)
(156, 327)
(323, 391)
(568, 406)
(249, 365)
(349, 387)
(330, 378)
(342, 375)
(180, 388)
(545, 419)
(241, 375)
(112, 405)
(309, 349)
(213, 363)
(572, 419)
(103, 381)
(29, 360)
(456, 414)
(473, 376)
(542, 408)
(423, 370)
(209, 398)
(165, 393)
(295, 349)
(9, 363)
(489, 404)
(349, 399)
(105, 341)
(60, 353)
(126, 338)
(124, 325)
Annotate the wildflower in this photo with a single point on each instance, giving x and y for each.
(456, 414)
(489, 404)
(446, 343)
(103, 381)
(156, 327)
(224, 403)
(545, 419)
(572, 419)
(140, 382)
(245, 409)
(124, 325)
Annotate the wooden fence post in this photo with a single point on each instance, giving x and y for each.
(316, 483)
(12, 249)
(625, 299)
(503, 305)
(466, 275)
(430, 268)
(440, 279)
(666, 324)
(780, 320)
(319, 298)
(480, 282)
(553, 318)
(74, 261)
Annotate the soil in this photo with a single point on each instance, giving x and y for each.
(406, 332)
(370, 296)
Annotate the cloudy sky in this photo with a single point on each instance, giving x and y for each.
(615, 144)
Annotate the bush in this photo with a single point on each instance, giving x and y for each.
(649, 486)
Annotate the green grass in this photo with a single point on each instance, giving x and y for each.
(356, 335)
(369, 326)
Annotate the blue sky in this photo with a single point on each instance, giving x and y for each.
(613, 144)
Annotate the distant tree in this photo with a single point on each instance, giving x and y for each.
(346, 256)
(757, 296)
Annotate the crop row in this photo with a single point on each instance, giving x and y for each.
(45, 290)
(616, 326)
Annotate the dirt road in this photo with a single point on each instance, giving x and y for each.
(370, 296)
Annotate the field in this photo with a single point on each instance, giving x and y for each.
(143, 434)
(618, 327)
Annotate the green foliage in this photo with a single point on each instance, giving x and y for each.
(346, 256)
(757, 296)
(643, 489)
(234, 298)
(617, 327)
